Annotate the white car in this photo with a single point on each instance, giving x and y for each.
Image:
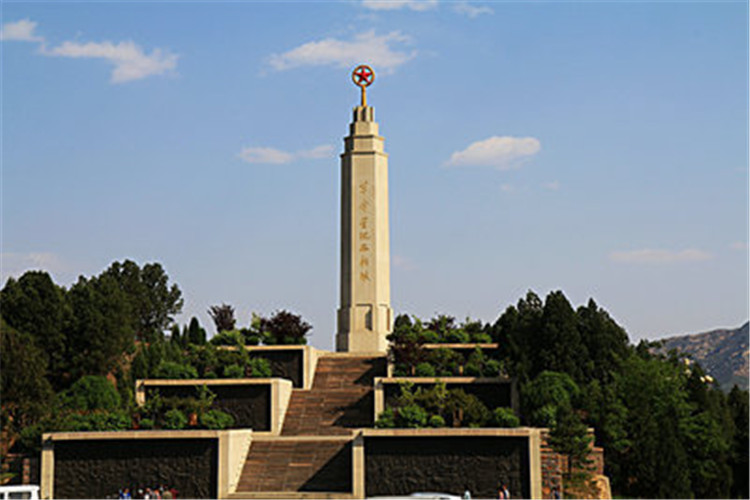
(21, 492)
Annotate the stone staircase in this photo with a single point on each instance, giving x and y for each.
(298, 465)
(312, 457)
(341, 398)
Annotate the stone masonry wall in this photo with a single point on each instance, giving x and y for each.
(98, 469)
(398, 466)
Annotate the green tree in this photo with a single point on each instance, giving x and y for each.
(195, 332)
(405, 347)
(101, 330)
(738, 403)
(569, 436)
(656, 465)
(516, 331)
(542, 397)
(558, 342)
(33, 304)
(153, 302)
(27, 395)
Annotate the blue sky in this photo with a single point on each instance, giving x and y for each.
(600, 148)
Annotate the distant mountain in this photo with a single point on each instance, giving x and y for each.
(722, 353)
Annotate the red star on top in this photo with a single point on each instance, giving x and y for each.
(363, 76)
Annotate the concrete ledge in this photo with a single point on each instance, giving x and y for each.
(289, 494)
(470, 345)
(344, 437)
(451, 432)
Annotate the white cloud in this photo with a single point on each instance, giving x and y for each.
(507, 188)
(502, 153)
(129, 60)
(15, 264)
(552, 186)
(650, 256)
(20, 31)
(271, 156)
(318, 152)
(417, 5)
(472, 11)
(378, 51)
(739, 245)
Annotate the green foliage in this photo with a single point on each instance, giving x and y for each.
(92, 392)
(216, 420)
(405, 347)
(657, 462)
(152, 300)
(253, 335)
(204, 358)
(284, 328)
(387, 419)
(172, 370)
(26, 392)
(228, 338)
(233, 371)
(147, 424)
(547, 392)
(738, 403)
(102, 326)
(424, 370)
(174, 419)
(436, 421)
(504, 417)
(195, 333)
(466, 409)
(412, 416)
(447, 362)
(34, 305)
(259, 367)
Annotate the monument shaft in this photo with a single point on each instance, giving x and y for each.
(365, 317)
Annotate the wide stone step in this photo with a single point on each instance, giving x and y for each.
(341, 398)
(284, 465)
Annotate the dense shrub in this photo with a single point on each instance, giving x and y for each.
(412, 416)
(259, 368)
(447, 362)
(172, 370)
(92, 392)
(504, 417)
(174, 419)
(424, 370)
(436, 421)
(216, 420)
(233, 371)
(386, 420)
(146, 424)
(228, 338)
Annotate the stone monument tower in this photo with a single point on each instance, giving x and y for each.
(364, 316)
